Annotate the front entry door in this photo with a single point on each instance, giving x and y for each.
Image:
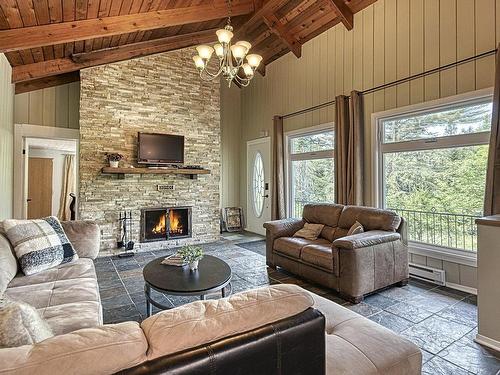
(258, 184)
(39, 187)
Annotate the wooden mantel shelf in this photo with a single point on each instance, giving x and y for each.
(121, 172)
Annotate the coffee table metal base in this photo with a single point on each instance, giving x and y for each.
(226, 290)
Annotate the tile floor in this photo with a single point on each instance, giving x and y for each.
(441, 321)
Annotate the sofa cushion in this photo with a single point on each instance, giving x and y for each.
(21, 324)
(39, 244)
(309, 231)
(85, 236)
(318, 255)
(99, 350)
(356, 345)
(202, 322)
(8, 263)
(291, 246)
(327, 214)
(371, 218)
(66, 296)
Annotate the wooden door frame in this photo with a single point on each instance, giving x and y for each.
(21, 132)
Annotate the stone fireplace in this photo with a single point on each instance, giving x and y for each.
(160, 224)
(154, 94)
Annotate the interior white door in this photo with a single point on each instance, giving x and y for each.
(258, 184)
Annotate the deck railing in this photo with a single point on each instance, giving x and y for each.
(457, 231)
(445, 229)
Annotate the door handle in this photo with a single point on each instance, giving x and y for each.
(266, 196)
(28, 200)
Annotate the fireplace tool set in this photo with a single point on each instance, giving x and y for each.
(125, 241)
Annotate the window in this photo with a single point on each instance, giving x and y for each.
(258, 185)
(432, 170)
(310, 172)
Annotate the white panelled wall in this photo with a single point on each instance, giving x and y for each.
(6, 138)
(391, 39)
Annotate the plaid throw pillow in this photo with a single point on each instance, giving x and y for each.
(39, 244)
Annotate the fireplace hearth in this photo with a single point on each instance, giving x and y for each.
(160, 224)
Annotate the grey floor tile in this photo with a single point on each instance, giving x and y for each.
(472, 356)
(435, 333)
(412, 313)
(116, 300)
(380, 301)
(433, 301)
(398, 293)
(364, 309)
(461, 312)
(426, 356)
(121, 314)
(391, 321)
(438, 366)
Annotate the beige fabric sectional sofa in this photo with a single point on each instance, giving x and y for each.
(68, 298)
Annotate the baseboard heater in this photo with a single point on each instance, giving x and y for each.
(431, 275)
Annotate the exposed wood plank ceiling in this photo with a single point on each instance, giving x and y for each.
(47, 41)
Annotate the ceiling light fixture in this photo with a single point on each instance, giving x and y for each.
(232, 65)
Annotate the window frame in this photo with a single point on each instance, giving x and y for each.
(461, 140)
(312, 155)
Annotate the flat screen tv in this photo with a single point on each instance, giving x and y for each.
(160, 149)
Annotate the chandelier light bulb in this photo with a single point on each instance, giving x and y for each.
(238, 51)
(198, 62)
(205, 51)
(248, 70)
(224, 36)
(254, 60)
(219, 50)
(245, 44)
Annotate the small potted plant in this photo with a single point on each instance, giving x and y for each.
(113, 159)
(191, 255)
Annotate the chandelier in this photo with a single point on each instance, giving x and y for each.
(232, 65)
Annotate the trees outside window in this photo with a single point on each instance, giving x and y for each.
(433, 168)
(310, 169)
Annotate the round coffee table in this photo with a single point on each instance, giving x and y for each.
(213, 274)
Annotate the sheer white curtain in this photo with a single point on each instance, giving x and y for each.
(68, 187)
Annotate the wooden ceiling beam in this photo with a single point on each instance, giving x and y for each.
(109, 55)
(42, 83)
(65, 32)
(269, 7)
(274, 24)
(344, 12)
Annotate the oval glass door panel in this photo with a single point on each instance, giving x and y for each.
(258, 184)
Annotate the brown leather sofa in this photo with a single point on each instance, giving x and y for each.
(352, 265)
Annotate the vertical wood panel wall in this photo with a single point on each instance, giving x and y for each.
(6, 138)
(55, 106)
(391, 39)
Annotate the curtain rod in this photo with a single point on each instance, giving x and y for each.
(397, 82)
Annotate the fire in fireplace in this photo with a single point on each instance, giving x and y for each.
(159, 224)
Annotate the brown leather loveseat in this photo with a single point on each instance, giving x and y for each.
(353, 265)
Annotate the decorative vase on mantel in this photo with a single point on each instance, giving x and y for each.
(114, 159)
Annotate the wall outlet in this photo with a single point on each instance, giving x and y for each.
(165, 187)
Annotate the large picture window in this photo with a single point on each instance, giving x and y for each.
(432, 169)
(310, 169)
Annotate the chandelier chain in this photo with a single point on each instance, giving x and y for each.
(229, 7)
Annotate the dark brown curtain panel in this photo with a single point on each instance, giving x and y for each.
(492, 196)
(354, 183)
(341, 149)
(278, 210)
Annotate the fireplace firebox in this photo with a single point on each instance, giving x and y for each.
(160, 224)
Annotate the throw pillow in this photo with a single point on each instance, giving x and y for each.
(21, 324)
(355, 229)
(309, 231)
(39, 244)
